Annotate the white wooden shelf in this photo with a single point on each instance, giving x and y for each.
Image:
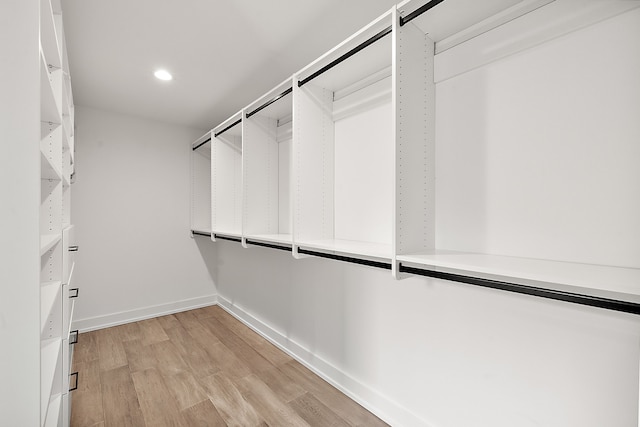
(286, 239)
(349, 247)
(48, 241)
(616, 283)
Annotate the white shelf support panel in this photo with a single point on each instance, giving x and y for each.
(201, 185)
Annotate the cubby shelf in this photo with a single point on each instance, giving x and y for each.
(49, 295)
(421, 145)
(51, 358)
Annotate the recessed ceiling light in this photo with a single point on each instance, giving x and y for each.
(163, 75)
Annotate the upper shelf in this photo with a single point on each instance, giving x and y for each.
(49, 37)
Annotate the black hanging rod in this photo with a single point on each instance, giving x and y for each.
(593, 301)
(201, 144)
(268, 245)
(419, 11)
(271, 101)
(227, 128)
(347, 55)
(229, 238)
(200, 233)
(352, 260)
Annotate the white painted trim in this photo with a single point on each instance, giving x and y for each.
(122, 317)
(382, 406)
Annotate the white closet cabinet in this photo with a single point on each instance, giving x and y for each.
(267, 144)
(489, 143)
(226, 178)
(343, 143)
(38, 141)
(201, 185)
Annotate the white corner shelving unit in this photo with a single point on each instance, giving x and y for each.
(226, 178)
(201, 185)
(267, 145)
(343, 143)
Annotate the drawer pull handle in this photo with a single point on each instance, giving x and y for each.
(74, 248)
(75, 387)
(77, 292)
(73, 337)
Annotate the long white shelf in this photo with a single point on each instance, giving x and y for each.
(349, 247)
(616, 283)
(48, 241)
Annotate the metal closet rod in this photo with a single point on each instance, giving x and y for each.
(352, 260)
(347, 55)
(419, 11)
(200, 233)
(271, 101)
(593, 301)
(201, 144)
(227, 128)
(231, 239)
(268, 245)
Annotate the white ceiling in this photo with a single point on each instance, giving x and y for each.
(223, 54)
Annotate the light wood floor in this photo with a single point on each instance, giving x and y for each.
(199, 368)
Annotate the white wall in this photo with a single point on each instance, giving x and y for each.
(130, 206)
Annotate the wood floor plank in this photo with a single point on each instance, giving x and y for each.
(139, 357)
(258, 343)
(128, 331)
(316, 413)
(281, 385)
(192, 352)
(109, 345)
(238, 346)
(231, 406)
(346, 408)
(87, 399)
(203, 414)
(201, 367)
(185, 389)
(188, 319)
(167, 322)
(169, 359)
(119, 398)
(156, 401)
(227, 361)
(87, 349)
(152, 331)
(274, 411)
(204, 312)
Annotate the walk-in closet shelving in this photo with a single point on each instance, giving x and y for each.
(226, 178)
(267, 143)
(201, 184)
(522, 153)
(56, 167)
(469, 141)
(343, 143)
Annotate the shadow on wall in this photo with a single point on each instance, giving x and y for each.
(209, 253)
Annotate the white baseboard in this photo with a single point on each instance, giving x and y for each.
(383, 407)
(120, 318)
